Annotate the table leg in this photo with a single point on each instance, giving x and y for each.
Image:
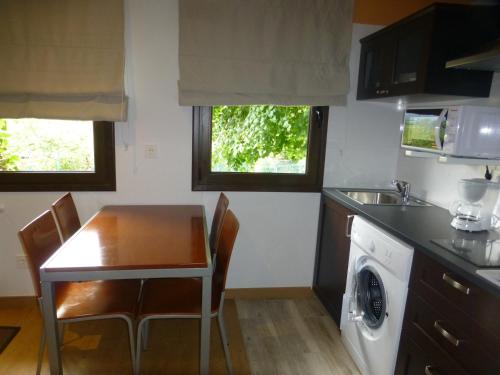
(205, 325)
(51, 329)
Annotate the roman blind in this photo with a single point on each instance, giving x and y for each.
(62, 59)
(287, 52)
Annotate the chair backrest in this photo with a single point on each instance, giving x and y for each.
(215, 232)
(229, 230)
(66, 216)
(40, 240)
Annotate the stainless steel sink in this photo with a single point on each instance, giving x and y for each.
(383, 198)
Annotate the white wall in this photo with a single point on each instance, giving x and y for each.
(363, 137)
(277, 239)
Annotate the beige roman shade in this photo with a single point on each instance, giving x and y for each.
(62, 59)
(287, 52)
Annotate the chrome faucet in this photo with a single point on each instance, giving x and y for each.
(404, 189)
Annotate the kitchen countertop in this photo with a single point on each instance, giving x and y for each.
(417, 226)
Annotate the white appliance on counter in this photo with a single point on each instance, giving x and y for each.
(458, 131)
(375, 297)
(474, 211)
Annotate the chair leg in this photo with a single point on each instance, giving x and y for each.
(41, 350)
(145, 336)
(225, 343)
(130, 328)
(139, 344)
(60, 330)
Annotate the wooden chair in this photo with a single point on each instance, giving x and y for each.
(215, 232)
(66, 216)
(181, 297)
(77, 301)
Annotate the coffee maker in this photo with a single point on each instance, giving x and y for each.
(474, 211)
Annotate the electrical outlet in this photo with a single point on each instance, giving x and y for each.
(150, 151)
(21, 261)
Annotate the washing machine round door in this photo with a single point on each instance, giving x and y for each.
(371, 298)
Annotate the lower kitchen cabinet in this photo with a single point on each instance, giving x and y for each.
(451, 326)
(413, 360)
(332, 255)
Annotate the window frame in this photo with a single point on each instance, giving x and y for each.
(102, 179)
(203, 179)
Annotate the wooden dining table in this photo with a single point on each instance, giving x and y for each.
(132, 242)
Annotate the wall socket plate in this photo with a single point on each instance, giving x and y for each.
(151, 151)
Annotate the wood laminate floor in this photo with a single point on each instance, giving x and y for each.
(277, 336)
(101, 346)
(292, 336)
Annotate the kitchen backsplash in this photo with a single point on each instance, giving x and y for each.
(435, 182)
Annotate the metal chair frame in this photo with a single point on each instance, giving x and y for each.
(61, 322)
(128, 320)
(229, 232)
(143, 332)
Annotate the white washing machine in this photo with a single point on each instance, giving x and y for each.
(375, 297)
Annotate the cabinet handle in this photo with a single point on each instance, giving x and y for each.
(429, 370)
(347, 233)
(447, 335)
(455, 284)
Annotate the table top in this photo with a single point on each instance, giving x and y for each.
(136, 237)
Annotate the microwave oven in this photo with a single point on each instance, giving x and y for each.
(459, 131)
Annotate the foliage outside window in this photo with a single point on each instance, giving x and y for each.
(8, 160)
(259, 139)
(34, 145)
(56, 155)
(259, 147)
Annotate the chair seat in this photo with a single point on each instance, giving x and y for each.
(175, 296)
(97, 298)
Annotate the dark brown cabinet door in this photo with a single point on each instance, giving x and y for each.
(332, 255)
(408, 68)
(375, 67)
(409, 57)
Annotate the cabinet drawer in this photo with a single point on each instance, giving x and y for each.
(430, 278)
(423, 357)
(460, 337)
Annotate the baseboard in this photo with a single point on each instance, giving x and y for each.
(18, 301)
(236, 293)
(269, 293)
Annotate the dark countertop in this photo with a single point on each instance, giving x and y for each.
(417, 226)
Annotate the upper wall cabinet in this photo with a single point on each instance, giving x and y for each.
(409, 57)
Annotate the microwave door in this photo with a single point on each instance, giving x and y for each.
(423, 130)
(439, 129)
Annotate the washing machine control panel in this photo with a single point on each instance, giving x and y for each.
(391, 252)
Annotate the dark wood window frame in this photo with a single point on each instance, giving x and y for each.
(102, 179)
(205, 180)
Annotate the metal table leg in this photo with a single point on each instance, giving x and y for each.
(51, 328)
(205, 325)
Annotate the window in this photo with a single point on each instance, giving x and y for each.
(259, 148)
(56, 155)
